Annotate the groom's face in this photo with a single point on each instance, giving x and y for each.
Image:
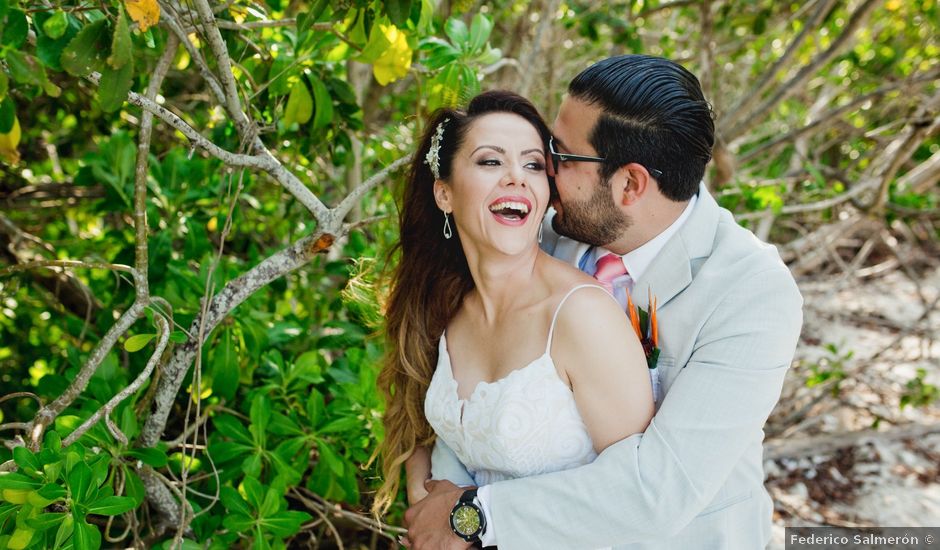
(585, 207)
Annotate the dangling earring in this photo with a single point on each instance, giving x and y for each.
(541, 225)
(448, 232)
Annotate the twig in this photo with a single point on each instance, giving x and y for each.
(17, 394)
(792, 85)
(25, 426)
(65, 263)
(163, 331)
(754, 94)
(347, 204)
(827, 443)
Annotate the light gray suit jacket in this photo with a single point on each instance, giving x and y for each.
(729, 317)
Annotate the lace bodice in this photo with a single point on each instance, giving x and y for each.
(523, 424)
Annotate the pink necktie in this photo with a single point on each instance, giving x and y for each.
(609, 267)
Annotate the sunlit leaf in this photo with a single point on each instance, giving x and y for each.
(395, 62)
(299, 104)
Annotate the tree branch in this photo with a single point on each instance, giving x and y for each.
(163, 338)
(835, 113)
(754, 94)
(350, 201)
(792, 85)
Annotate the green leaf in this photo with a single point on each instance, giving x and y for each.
(80, 482)
(65, 531)
(46, 521)
(324, 103)
(225, 368)
(149, 456)
(133, 486)
(13, 480)
(85, 53)
(238, 523)
(270, 505)
(233, 501)
(56, 25)
(137, 342)
(14, 34)
(286, 523)
(254, 493)
(112, 506)
(4, 88)
(231, 427)
(398, 11)
(480, 29)
(122, 49)
(25, 68)
(299, 104)
(25, 459)
(457, 31)
(260, 414)
(329, 457)
(7, 114)
(87, 537)
(114, 86)
(52, 492)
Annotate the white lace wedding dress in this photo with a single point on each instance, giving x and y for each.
(521, 425)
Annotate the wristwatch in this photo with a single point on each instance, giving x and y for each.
(467, 519)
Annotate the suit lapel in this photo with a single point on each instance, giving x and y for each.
(671, 272)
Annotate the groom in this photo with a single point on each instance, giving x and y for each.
(632, 139)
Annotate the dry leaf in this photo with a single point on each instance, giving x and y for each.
(146, 13)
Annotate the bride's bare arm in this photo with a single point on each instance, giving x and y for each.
(598, 350)
(417, 471)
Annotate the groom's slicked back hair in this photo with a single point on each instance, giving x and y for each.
(653, 113)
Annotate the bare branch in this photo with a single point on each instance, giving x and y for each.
(835, 113)
(347, 204)
(232, 100)
(747, 101)
(25, 426)
(792, 85)
(855, 191)
(170, 20)
(47, 414)
(666, 6)
(65, 263)
(19, 394)
(923, 176)
(163, 338)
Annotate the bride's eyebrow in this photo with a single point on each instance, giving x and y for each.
(539, 151)
(493, 147)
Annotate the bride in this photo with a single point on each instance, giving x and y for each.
(522, 364)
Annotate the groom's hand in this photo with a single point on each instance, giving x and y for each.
(428, 521)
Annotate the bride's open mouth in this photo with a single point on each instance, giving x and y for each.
(511, 210)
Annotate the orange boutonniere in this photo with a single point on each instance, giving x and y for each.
(646, 328)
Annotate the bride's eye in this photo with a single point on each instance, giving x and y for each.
(488, 162)
(536, 165)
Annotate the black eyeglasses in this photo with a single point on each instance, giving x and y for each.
(557, 158)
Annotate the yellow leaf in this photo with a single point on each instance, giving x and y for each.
(893, 5)
(395, 62)
(9, 142)
(146, 13)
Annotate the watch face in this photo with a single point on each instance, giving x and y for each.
(466, 520)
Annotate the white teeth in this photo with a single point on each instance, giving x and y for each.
(519, 206)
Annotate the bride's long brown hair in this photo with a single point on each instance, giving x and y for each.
(428, 285)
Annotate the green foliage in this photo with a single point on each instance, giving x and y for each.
(919, 393)
(75, 482)
(829, 369)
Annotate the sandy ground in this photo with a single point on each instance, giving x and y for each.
(872, 336)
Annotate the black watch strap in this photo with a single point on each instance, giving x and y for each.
(464, 511)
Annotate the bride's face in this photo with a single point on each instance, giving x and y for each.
(498, 190)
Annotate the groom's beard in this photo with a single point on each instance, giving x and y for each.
(595, 221)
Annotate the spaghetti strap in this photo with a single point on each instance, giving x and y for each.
(551, 329)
